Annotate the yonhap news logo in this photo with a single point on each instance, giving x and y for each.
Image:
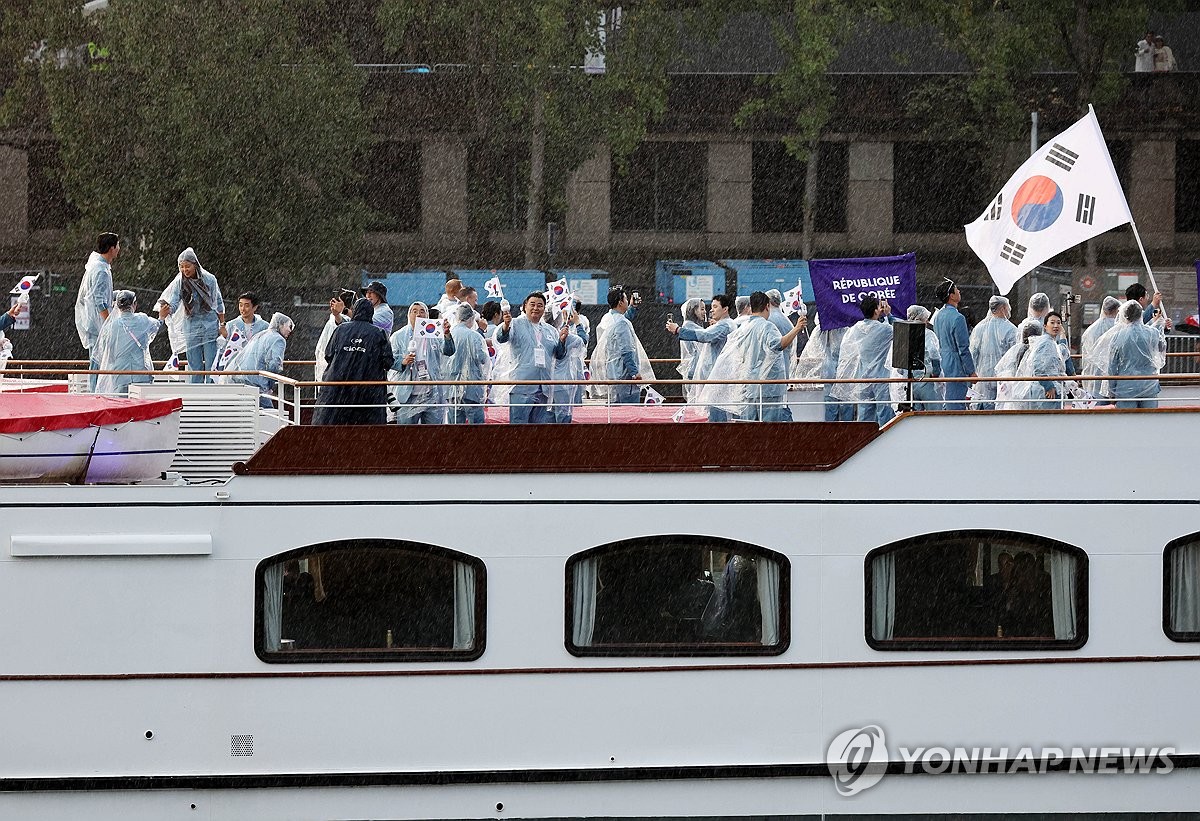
(859, 758)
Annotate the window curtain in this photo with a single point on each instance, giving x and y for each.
(883, 596)
(464, 606)
(768, 599)
(1185, 589)
(272, 607)
(583, 618)
(1062, 597)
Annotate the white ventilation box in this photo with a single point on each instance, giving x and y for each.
(217, 426)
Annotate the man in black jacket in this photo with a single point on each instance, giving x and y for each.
(357, 352)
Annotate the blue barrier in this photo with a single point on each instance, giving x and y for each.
(671, 278)
(517, 283)
(407, 287)
(764, 274)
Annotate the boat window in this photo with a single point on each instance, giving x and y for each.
(1181, 589)
(976, 589)
(369, 600)
(677, 596)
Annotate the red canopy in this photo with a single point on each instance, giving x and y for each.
(31, 412)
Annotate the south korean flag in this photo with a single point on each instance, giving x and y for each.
(1063, 195)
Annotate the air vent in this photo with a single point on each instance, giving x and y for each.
(241, 745)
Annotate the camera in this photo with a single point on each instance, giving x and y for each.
(635, 298)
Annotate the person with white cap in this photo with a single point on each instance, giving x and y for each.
(955, 343)
(124, 345)
(196, 328)
(991, 339)
(262, 353)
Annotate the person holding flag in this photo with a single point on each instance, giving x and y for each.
(532, 344)
(470, 363)
(241, 330)
(9, 319)
(565, 398)
(95, 297)
(419, 359)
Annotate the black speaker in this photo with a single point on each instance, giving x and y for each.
(908, 345)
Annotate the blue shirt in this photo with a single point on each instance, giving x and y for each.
(954, 341)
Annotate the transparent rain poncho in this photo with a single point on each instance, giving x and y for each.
(1038, 356)
(124, 345)
(1132, 348)
(752, 352)
(600, 358)
(195, 303)
(1094, 365)
(95, 295)
(689, 351)
(264, 352)
(865, 354)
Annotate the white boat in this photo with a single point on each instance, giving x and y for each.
(451, 622)
(50, 436)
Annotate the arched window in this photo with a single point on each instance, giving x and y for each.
(1181, 589)
(976, 589)
(677, 596)
(369, 600)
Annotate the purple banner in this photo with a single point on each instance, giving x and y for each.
(1198, 283)
(839, 284)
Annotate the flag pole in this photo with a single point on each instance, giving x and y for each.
(1146, 261)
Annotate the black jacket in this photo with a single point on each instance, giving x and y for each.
(357, 352)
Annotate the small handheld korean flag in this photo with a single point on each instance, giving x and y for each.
(1063, 195)
(494, 288)
(172, 364)
(793, 301)
(22, 288)
(428, 329)
(653, 397)
(235, 342)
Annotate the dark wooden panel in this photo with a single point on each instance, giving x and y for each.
(622, 448)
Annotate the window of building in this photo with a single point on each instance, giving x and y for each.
(677, 596)
(369, 600)
(392, 187)
(976, 589)
(664, 189)
(1181, 589)
(777, 190)
(938, 186)
(49, 208)
(1187, 186)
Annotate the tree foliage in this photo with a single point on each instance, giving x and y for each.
(532, 103)
(225, 125)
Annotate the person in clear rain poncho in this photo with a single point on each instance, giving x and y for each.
(1036, 355)
(694, 319)
(609, 357)
(565, 398)
(780, 321)
(533, 345)
(866, 354)
(1093, 365)
(470, 363)
(197, 314)
(819, 360)
(711, 342)
(262, 353)
(926, 396)
(1135, 349)
(420, 359)
(993, 337)
(754, 352)
(94, 301)
(240, 330)
(124, 345)
(1039, 306)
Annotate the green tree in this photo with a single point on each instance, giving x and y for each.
(529, 96)
(810, 35)
(225, 125)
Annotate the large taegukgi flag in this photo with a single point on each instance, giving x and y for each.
(1064, 194)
